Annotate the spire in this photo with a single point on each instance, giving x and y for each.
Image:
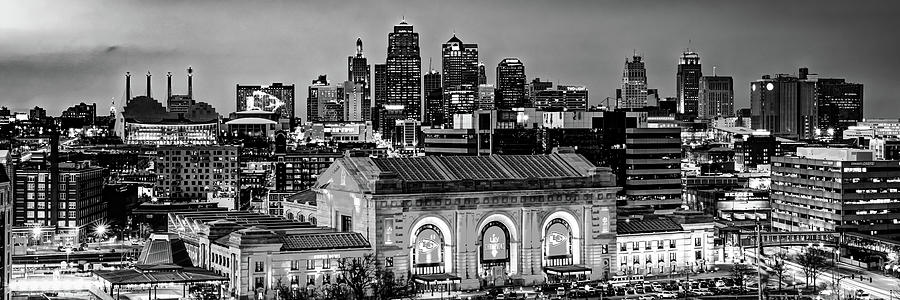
(190, 72)
(127, 87)
(359, 47)
(403, 20)
(168, 85)
(148, 83)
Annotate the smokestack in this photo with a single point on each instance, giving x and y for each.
(190, 82)
(168, 85)
(148, 84)
(127, 87)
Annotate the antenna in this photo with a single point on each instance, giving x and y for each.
(429, 64)
(714, 71)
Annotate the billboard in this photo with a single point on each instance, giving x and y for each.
(495, 243)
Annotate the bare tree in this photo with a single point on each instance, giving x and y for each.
(285, 292)
(389, 287)
(359, 274)
(778, 268)
(739, 271)
(812, 263)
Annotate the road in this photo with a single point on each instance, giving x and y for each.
(880, 287)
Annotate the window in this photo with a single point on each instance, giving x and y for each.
(295, 265)
(259, 283)
(698, 255)
(634, 246)
(310, 264)
(604, 249)
(646, 245)
(622, 247)
(671, 244)
(388, 262)
(326, 278)
(326, 263)
(310, 280)
(672, 256)
(697, 241)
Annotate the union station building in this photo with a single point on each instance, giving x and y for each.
(465, 222)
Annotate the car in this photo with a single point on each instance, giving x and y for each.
(656, 286)
(703, 292)
(862, 295)
(667, 295)
(647, 297)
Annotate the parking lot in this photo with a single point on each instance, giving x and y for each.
(637, 290)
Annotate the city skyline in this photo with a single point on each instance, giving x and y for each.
(73, 53)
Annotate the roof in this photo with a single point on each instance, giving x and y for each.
(165, 249)
(454, 39)
(324, 241)
(633, 226)
(447, 168)
(250, 121)
(172, 275)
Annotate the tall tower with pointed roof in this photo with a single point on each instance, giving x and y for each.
(403, 78)
(459, 66)
(358, 72)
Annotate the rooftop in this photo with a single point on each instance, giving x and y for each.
(324, 241)
(634, 226)
(444, 168)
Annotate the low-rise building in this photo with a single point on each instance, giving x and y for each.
(663, 245)
(260, 253)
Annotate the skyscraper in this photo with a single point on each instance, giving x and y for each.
(634, 84)
(784, 105)
(403, 78)
(358, 72)
(379, 87)
(459, 62)
(716, 97)
(434, 99)
(482, 74)
(325, 102)
(354, 101)
(486, 94)
(510, 84)
(840, 105)
(688, 82)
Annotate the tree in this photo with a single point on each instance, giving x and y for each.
(389, 287)
(778, 268)
(739, 271)
(285, 292)
(812, 263)
(359, 274)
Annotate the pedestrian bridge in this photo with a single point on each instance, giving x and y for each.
(800, 238)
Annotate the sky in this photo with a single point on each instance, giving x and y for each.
(55, 54)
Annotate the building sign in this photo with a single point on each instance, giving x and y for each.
(495, 243)
(604, 220)
(558, 239)
(428, 246)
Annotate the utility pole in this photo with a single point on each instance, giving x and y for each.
(759, 257)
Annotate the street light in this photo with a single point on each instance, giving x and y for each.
(68, 251)
(100, 230)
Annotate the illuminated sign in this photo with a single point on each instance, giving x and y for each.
(388, 231)
(558, 239)
(495, 243)
(326, 256)
(428, 246)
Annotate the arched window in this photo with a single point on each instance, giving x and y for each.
(495, 243)
(428, 250)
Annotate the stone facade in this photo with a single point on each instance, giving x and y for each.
(437, 217)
